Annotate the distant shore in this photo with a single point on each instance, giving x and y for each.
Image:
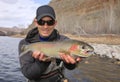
(99, 39)
(18, 36)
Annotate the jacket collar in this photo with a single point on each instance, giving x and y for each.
(33, 36)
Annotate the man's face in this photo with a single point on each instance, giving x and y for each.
(45, 26)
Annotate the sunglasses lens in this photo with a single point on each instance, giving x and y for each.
(41, 22)
(49, 22)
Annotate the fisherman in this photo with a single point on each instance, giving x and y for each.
(33, 65)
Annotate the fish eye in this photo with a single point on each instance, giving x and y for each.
(83, 47)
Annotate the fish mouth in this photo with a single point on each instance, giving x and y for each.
(89, 52)
(86, 53)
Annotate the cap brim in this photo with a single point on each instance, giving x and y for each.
(43, 15)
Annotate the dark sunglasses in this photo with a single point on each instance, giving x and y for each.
(49, 22)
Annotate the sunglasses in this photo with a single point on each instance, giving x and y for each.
(49, 22)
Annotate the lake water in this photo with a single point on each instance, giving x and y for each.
(9, 61)
(96, 69)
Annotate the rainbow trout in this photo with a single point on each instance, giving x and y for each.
(52, 49)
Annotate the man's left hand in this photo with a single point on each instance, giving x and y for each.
(69, 59)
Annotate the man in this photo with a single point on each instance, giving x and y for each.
(33, 65)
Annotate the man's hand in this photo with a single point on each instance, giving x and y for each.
(41, 56)
(69, 59)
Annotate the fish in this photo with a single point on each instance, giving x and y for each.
(72, 47)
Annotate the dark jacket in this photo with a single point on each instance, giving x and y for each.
(33, 68)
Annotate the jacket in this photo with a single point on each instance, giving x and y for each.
(32, 68)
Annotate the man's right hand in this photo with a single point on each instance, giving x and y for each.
(41, 56)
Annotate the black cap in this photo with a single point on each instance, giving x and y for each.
(45, 10)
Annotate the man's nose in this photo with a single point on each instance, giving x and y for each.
(45, 25)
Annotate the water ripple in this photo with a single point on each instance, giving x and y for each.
(9, 62)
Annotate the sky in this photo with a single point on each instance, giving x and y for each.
(19, 13)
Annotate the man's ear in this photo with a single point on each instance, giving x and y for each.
(55, 23)
(35, 22)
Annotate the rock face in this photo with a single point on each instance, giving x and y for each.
(88, 16)
(2, 33)
(29, 28)
(5, 31)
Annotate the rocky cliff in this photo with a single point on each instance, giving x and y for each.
(7, 31)
(88, 16)
(83, 17)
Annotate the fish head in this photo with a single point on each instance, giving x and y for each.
(81, 49)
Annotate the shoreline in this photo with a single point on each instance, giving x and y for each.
(110, 39)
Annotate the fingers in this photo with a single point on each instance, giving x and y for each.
(36, 54)
(68, 58)
(71, 59)
(40, 56)
(78, 59)
(64, 58)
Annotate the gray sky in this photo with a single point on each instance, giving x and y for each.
(18, 12)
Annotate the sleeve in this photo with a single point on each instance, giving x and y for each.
(66, 65)
(69, 66)
(30, 67)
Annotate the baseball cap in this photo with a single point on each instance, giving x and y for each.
(45, 10)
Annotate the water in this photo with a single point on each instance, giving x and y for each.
(9, 61)
(95, 69)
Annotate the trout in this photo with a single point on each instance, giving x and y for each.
(52, 49)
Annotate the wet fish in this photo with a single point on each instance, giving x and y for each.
(52, 49)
